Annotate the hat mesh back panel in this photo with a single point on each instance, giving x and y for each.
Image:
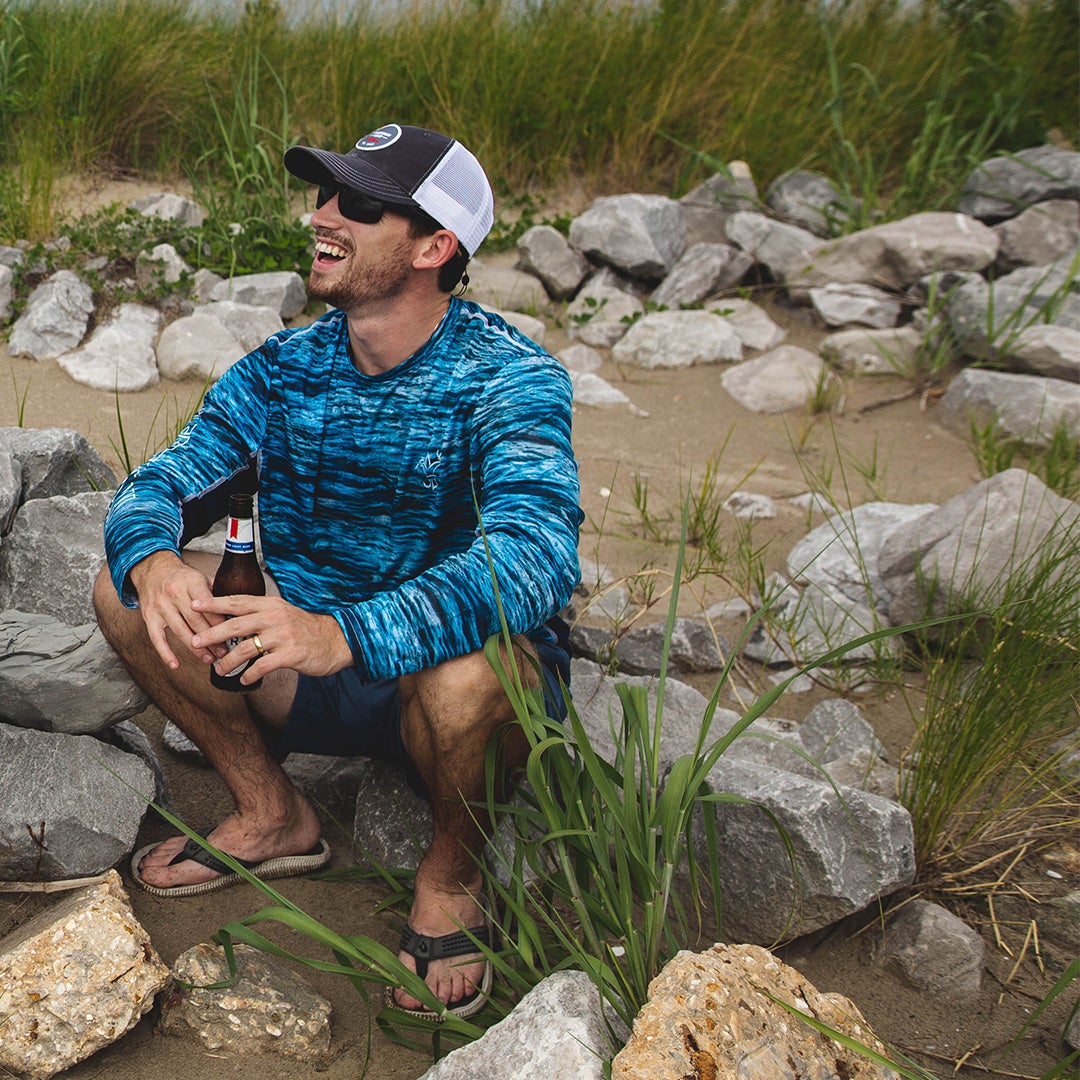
(457, 194)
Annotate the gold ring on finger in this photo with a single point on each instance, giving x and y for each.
(257, 642)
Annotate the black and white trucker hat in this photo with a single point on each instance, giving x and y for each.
(409, 166)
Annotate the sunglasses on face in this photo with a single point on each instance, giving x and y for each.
(353, 204)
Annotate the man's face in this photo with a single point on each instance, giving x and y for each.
(358, 264)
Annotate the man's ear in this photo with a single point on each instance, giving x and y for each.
(435, 250)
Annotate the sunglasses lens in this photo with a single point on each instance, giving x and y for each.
(354, 205)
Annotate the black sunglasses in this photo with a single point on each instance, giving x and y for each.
(353, 204)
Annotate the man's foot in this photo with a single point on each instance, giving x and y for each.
(456, 978)
(293, 848)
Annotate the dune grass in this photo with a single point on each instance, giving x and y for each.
(613, 95)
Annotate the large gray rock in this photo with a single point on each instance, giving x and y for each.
(602, 310)
(119, 355)
(52, 555)
(55, 318)
(558, 1029)
(56, 677)
(505, 287)
(1041, 234)
(676, 339)
(10, 489)
(641, 235)
(899, 253)
(282, 290)
(702, 270)
(891, 351)
(590, 389)
(544, 252)
(847, 850)
(784, 250)
(752, 323)
(161, 265)
(842, 553)
(988, 320)
(55, 461)
(708, 206)
(1004, 186)
(1028, 408)
(209, 341)
(936, 952)
(73, 979)
(807, 199)
(392, 824)
(783, 378)
(856, 304)
(170, 207)
(70, 805)
(967, 549)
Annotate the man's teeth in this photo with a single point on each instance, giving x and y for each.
(335, 252)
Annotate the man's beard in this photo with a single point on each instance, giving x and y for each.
(364, 284)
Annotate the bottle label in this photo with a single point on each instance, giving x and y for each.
(240, 539)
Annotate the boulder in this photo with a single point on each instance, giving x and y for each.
(603, 309)
(1027, 408)
(1004, 186)
(675, 339)
(751, 322)
(119, 356)
(55, 318)
(708, 205)
(640, 235)
(282, 290)
(967, 550)
(268, 1009)
(899, 253)
(782, 379)
(544, 252)
(891, 351)
(809, 200)
(1039, 235)
(210, 340)
(70, 805)
(714, 1014)
(170, 207)
(54, 461)
(784, 250)
(73, 979)
(855, 304)
(559, 1028)
(56, 677)
(702, 270)
(51, 558)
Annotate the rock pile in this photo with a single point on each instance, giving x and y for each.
(650, 279)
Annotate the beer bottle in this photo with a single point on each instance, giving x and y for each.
(238, 573)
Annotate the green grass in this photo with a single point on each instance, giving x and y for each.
(899, 100)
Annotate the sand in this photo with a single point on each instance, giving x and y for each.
(681, 422)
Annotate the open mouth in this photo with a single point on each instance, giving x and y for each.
(327, 254)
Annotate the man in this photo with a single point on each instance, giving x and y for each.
(372, 437)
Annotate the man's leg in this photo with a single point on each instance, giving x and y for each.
(448, 716)
(271, 818)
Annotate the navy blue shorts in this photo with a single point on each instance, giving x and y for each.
(342, 716)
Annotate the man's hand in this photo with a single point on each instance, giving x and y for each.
(289, 636)
(168, 589)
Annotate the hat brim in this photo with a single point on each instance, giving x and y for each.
(324, 166)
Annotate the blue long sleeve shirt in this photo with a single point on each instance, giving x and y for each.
(367, 485)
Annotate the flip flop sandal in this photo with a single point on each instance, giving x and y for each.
(423, 949)
(266, 870)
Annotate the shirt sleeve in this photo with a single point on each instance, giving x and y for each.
(527, 491)
(149, 510)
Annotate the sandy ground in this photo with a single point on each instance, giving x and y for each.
(681, 422)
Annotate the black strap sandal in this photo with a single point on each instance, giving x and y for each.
(424, 949)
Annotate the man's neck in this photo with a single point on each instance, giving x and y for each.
(380, 340)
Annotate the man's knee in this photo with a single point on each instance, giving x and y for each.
(469, 681)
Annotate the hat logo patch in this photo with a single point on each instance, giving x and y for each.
(380, 138)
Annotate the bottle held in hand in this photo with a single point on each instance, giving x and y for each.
(239, 573)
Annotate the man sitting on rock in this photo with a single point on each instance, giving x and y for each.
(373, 437)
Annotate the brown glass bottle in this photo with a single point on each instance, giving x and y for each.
(238, 574)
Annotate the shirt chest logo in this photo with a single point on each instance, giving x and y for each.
(428, 468)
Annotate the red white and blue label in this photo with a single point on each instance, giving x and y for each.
(380, 138)
(241, 536)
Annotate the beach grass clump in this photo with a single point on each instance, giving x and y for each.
(898, 101)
